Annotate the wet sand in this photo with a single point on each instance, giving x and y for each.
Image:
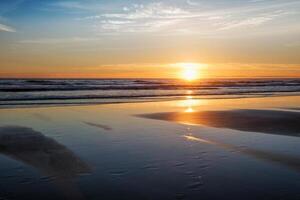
(285, 123)
(292, 162)
(194, 149)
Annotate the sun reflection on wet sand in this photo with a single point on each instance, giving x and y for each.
(189, 103)
(197, 139)
(189, 110)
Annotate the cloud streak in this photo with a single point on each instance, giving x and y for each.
(143, 18)
(253, 21)
(159, 16)
(6, 28)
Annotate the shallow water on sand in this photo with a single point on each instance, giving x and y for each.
(115, 152)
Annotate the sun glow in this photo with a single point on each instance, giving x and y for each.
(190, 71)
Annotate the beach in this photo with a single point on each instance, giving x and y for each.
(208, 148)
(149, 100)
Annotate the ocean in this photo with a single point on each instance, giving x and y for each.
(18, 92)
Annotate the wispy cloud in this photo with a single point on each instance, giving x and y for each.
(152, 10)
(192, 18)
(142, 18)
(252, 21)
(6, 8)
(6, 28)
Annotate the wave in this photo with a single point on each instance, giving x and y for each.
(49, 89)
(160, 84)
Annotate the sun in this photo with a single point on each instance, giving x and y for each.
(189, 74)
(190, 71)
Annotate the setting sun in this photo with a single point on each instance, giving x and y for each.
(189, 74)
(190, 71)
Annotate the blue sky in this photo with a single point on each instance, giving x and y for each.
(127, 16)
(117, 31)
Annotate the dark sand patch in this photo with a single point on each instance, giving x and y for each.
(263, 121)
(33, 148)
(102, 126)
(49, 157)
(292, 162)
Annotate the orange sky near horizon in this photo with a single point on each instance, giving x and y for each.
(176, 71)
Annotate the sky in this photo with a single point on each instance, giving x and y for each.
(149, 39)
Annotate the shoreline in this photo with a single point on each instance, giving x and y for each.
(63, 103)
